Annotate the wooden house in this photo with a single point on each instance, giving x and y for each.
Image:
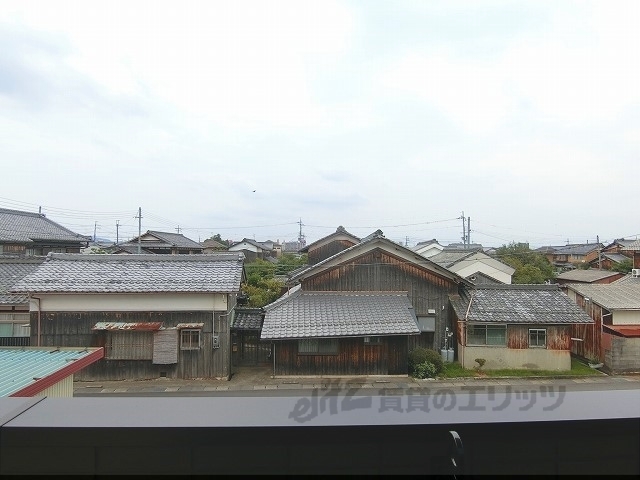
(399, 281)
(330, 245)
(340, 333)
(516, 326)
(27, 233)
(165, 243)
(155, 315)
(614, 337)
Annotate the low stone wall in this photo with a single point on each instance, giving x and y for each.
(624, 355)
(522, 358)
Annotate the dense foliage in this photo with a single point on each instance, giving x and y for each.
(530, 266)
(419, 356)
(262, 286)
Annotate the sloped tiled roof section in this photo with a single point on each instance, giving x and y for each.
(612, 296)
(12, 270)
(247, 319)
(633, 246)
(67, 273)
(523, 304)
(157, 239)
(308, 314)
(448, 258)
(26, 227)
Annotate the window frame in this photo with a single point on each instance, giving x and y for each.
(471, 339)
(190, 334)
(318, 346)
(537, 332)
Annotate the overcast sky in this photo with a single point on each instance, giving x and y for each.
(247, 118)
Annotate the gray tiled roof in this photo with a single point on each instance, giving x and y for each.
(26, 227)
(518, 304)
(628, 278)
(577, 249)
(612, 296)
(166, 239)
(633, 246)
(306, 314)
(247, 319)
(447, 258)
(219, 273)
(590, 275)
(13, 270)
(250, 242)
(616, 257)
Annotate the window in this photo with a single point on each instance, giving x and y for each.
(537, 338)
(318, 346)
(190, 339)
(373, 340)
(427, 324)
(495, 335)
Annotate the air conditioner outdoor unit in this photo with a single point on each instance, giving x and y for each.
(635, 272)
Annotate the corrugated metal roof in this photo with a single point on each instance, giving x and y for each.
(612, 296)
(32, 369)
(307, 314)
(128, 326)
(590, 275)
(625, 330)
(110, 273)
(190, 325)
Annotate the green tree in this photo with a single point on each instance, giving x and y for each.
(530, 266)
(624, 266)
(289, 262)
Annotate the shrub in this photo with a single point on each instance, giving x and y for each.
(425, 370)
(480, 362)
(421, 355)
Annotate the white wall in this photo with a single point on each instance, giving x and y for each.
(626, 317)
(130, 302)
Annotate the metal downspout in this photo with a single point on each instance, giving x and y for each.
(39, 318)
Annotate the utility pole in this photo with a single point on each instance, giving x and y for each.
(464, 233)
(178, 229)
(301, 242)
(139, 217)
(599, 253)
(117, 231)
(469, 231)
(95, 227)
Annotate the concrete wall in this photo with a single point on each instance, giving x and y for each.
(525, 358)
(624, 354)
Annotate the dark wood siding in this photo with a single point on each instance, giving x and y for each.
(65, 329)
(558, 336)
(354, 358)
(329, 250)
(378, 270)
